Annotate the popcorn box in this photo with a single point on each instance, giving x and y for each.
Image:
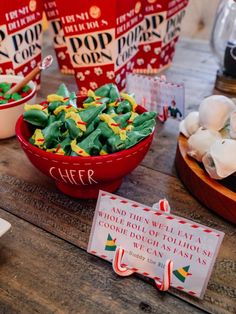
(57, 35)
(102, 39)
(20, 37)
(161, 29)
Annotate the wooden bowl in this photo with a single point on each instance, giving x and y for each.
(217, 195)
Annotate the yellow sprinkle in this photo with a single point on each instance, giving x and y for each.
(130, 99)
(55, 97)
(64, 108)
(37, 137)
(129, 127)
(78, 150)
(112, 115)
(59, 151)
(103, 152)
(91, 104)
(123, 135)
(113, 104)
(110, 122)
(28, 107)
(78, 121)
(133, 116)
(92, 94)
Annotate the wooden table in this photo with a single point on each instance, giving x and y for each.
(44, 267)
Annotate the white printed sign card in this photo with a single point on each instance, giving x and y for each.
(150, 238)
(156, 94)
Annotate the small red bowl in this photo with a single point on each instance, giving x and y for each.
(83, 177)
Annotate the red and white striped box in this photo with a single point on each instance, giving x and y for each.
(161, 29)
(20, 37)
(102, 39)
(57, 35)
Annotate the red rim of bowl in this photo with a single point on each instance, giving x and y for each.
(73, 158)
(20, 101)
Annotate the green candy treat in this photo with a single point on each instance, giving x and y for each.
(124, 107)
(25, 89)
(53, 105)
(52, 134)
(61, 116)
(107, 124)
(111, 111)
(107, 132)
(136, 136)
(88, 100)
(90, 113)
(144, 117)
(91, 127)
(149, 124)
(3, 101)
(114, 93)
(36, 117)
(65, 145)
(7, 96)
(5, 87)
(133, 137)
(122, 119)
(91, 145)
(63, 91)
(115, 143)
(73, 154)
(74, 131)
(51, 119)
(103, 91)
(73, 99)
(16, 96)
(104, 150)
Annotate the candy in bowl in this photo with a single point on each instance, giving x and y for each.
(89, 148)
(12, 105)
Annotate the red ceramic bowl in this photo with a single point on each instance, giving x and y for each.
(83, 177)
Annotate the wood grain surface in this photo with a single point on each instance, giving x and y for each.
(45, 274)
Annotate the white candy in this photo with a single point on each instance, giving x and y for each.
(232, 131)
(191, 122)
(220, 161)
(200, 142)
(214, 111)
(182, 129)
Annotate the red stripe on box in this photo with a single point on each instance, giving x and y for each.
(93, 252)
(103, 194)
(113, 198)
(192, 292)
(103, 256)
(182, 222)
(145, 274)
(134, 205)
(158, 214)
(207, 230)
(169, 217)
(146, 209)
(124, 202)
(194, 226)
(180, 288)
